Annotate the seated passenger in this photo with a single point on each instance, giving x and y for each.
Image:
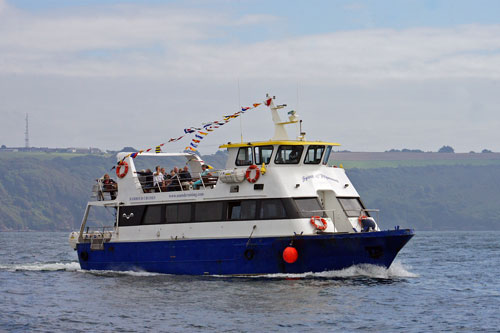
(146, 180)
(203, 173)
(157, 180)
(185, 177)
(109, 185)
(142, 177)
(164, 181)
(174, 181)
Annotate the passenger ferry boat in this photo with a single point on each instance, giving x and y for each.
(277, 207)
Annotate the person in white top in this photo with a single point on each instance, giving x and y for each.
(158, 179)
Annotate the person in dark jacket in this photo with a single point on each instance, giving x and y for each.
(109, 185)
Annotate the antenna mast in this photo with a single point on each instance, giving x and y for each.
(26, 134)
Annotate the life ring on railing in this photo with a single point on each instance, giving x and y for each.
(320, 219)
(249, 172)
(120, 174)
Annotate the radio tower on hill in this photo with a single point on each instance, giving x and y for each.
(26, 134)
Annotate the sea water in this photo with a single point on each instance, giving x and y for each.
(441, 281)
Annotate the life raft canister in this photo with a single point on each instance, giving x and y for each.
(120, 174)
(320, 219)
(249, 172)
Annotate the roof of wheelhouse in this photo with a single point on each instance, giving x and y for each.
(277, 142)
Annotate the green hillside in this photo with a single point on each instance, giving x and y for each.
(436, 197)
(41, 191)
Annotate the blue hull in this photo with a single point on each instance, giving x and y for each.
(317, 253)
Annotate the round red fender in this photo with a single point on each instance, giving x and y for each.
(290, 254)
(320, 219)
(120, 174)
(249, 172)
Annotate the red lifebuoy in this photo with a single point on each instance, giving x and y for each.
(322, 220)
(249, 172)
(118, 169)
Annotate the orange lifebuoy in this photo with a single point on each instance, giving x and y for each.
(249, 172)
(118, 169)
(322, 220)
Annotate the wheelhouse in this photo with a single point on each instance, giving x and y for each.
(279, 153)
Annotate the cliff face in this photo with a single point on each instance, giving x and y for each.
(46, 192)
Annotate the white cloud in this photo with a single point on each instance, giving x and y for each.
(131, 40)
(152, 63)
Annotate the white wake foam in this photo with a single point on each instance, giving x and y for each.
(68, 267)
(115, 273)
(42, 267)
(396, 270)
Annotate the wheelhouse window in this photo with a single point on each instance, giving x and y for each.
(288, 154)
(244, 156)
(327, 155)
(314, 154)
(308, 207)
(263, 154)
(352, 206)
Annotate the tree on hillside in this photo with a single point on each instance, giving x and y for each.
(486, 151)
(446, 149)
(127, 149)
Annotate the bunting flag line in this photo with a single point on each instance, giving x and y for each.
(200, 132)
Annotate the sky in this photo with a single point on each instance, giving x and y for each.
(371, 75)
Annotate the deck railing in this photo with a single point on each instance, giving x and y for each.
(105, 192)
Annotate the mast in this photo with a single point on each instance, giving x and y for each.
(26, 134)
(279, 126)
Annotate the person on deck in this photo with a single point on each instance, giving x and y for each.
(174, 181)
(185, 177)
(157, 180)
(204, 173)
(109, 185)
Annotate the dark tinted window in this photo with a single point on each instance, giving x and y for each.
(130, 215)
(242, 210)
(327, 155)
(263, 154)
(314, 154)
(171, 214)
(184, 213)
(288, 155)
(244, 156)
(309, 207)
(272, 209)
(153, 215)
(208, 211)
(178, 213)
(352, 206)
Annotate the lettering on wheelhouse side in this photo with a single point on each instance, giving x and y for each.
(319, 176)
(143, 198)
